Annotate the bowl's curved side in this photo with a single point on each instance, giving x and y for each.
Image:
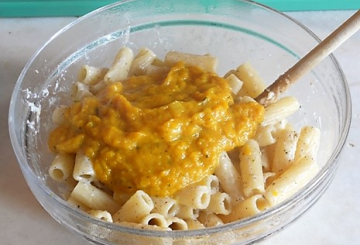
(234, 31)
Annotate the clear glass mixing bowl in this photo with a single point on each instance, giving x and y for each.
(233, 30)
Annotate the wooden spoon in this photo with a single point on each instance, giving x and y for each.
(309, 61)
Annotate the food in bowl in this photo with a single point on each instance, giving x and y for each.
(235, 32)
(169, 144)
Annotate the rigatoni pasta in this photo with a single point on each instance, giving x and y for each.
(155, 219)
(121, 65)
(235, 83)
(91, 75)
(83, 168)
(249, 207)
(94, 198)
(220, 203)
(197, 196)
(308, 143)
(291, 181)
(80, 91)
(78, 204)
(253, 85)
(266, 168)
(229, 178)
(210, 219)
(101, 214)
(284, 150)
(206, 62)
(142, 60)
(166, 206)
(280, 110)
(176, 224)
(61, 167)
(135, 209)
(251, 169)
(188, 212)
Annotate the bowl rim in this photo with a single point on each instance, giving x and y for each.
(330, 163)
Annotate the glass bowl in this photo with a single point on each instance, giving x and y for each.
(235, 31)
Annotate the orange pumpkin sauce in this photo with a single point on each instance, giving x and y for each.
(157, 135)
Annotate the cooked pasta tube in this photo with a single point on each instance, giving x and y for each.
(284, 150)
(308, 143)
(79, 91)
(137, 207)
(264, 135)
(142, 60)
(251, 169)
(253, 84)
(269, 177)
(220, 203)
(91, 75)
(121, 65)
(267, 156)
(83, 168)
(70, 184)
(212, 182)
(101, 214)
(165, 205)
(282, 125)
(209, 219)
(206, 62)
(235, 83)
(176, 224)
(154, 219)
(291, 181)
(197, 196)
(229, 178)
(75, 203)
(187, 212)
(249, 207)
(93, 197)
(159, 71)
(61, 167)
(97, 87)
(194, 224)
(280, 109)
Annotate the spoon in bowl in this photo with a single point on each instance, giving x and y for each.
(309, 61)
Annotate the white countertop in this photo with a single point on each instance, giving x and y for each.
(334, 219)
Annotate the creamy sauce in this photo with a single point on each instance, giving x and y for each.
(157, 135)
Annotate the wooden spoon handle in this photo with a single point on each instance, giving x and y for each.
(309, 61)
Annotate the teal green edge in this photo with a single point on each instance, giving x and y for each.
(51, 8)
